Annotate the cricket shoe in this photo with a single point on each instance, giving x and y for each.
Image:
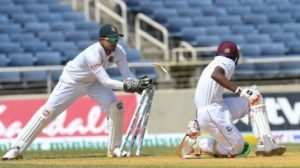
(190, 149)
(116, 153)
(13, 154)
(276, 150)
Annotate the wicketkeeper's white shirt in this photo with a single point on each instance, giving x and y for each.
(91, 64)
(208, 91)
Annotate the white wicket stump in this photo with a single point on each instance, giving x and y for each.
(138, 124)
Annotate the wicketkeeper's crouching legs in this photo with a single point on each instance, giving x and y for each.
(36, 124)
(115, 125)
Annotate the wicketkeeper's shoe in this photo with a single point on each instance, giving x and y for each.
(276, 150)
(12, 154)
(116, 153)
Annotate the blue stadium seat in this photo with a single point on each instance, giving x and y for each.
(244, 70)
(252, 2)
(11, 9)
(280, 18)
(23, 18)
(10, 47)
(36, 8)
(269, 28)
(3, 60)
(72, 16)
(58, 7)
(288, 8)
(76, 35)
(202, 3)
(207, 40)
(87, 26)
(162, 16)
(255, 19)
(175, 24)
(7, 2)
(268, 69)
(22, 2)
(62, 26)
(276, 2)
(4, 19)
(69, 55)
(293, 47)
(27, 59)
(217, 30)
(64, 47)
(48, 58)
(23, 37)
(21, 59)
(35, 46)
(148, 6)
(189, 12)
(237, 38)
(133, 55)
(291, 68)
(37, 27)
(229, 20)
(176, 4)
(250, 50)
(189, 33)
(49, 17)
(258, 38)
(10, 28)
(55, 75)
(4, 38)
(223, 3)
(133, 5)
(48, 2)
(114, 73)
(243, 29)
(284, 37)
(214, 11)
(264, 9)
(239, 10)
(291, 27)
(51, 36)
(273, 49)
(205, 21)
(10, 77)
(294, 2)
(84, 44)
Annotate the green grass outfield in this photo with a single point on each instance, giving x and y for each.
(151, 157)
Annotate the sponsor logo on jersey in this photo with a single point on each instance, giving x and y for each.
(95, 66)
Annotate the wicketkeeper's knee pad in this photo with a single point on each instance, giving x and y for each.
(115, 125)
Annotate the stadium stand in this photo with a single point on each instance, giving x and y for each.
(44, 32)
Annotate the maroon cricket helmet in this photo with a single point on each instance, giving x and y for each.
(228, 49)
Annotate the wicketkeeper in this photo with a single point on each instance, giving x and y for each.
(215, 115)
(86, 75)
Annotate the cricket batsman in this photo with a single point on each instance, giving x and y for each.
(215, 115)
(86, 75)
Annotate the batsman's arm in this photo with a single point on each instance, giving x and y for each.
(219, 76)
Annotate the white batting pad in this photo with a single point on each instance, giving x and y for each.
(35, 125)
(115, 125)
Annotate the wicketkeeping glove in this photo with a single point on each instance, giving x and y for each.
(131, 85)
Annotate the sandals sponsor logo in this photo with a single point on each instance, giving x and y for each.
(83, 118)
